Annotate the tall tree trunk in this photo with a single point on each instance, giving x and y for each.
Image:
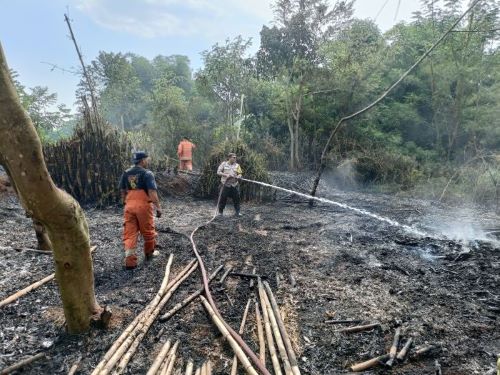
(59, 213)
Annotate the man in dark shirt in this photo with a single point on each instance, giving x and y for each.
(139, 194)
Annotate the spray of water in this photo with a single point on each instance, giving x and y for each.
(347, 207)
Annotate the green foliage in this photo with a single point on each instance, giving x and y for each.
(253, 167)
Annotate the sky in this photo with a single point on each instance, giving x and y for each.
(35, 37)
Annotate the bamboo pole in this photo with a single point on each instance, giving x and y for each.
(186, 301)
(75, 367)
(31, 287)
(209, 367)
(167, 370)
(234, 345)
(269, 332)
(159, 359)
(242, 328)
(277, 334)
(131, 327)
(189, 368)
(284, 334)
(203, 369)
(21, 364)
(362, 328)
(260, 334)
(394, 347)
(369, 364)
(132, 343)
(198, 371)
(402, 354)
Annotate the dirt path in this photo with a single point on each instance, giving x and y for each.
(323, 263)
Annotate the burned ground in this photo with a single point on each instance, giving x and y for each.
(323, 263)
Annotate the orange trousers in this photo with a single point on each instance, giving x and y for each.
(138, 219)
(186, 165)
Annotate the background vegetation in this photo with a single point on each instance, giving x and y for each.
(438, 131)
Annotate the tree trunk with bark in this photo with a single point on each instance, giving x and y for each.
(58, 212)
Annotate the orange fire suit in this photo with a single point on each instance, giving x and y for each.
(185, 154)
(138, 213)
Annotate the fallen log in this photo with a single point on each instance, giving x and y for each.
(186, 301)
(21, 364)
(362, 328)
(31, 287)
(284, 334)
(234, 345)
(394, 348)
(234, 368)
(369, 364)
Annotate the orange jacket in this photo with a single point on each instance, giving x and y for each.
(185, 150)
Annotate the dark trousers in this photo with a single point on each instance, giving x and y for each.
(231, 192)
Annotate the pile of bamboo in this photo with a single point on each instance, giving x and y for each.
(120, 353)
(90, 163)
(271, 333)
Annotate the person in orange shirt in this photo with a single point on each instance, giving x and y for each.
(185, 153)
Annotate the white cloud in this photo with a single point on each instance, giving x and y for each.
(160, 18)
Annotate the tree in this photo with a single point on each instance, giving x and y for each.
(61, 215)
(225, 75)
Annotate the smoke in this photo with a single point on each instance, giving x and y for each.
(344, 176)
(463, 225)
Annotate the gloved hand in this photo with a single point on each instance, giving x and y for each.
(158, 213)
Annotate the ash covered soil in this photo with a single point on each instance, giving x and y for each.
(323, 263)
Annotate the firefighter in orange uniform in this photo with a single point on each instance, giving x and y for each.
(139, 193)
(185, 154)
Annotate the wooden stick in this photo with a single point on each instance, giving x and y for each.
(277, 334)
(31, 287)
(21, 364)
(224, 275)
(247, 275)
(144, 326)
(260, 334)
(284, 334)
(209, 367)
(424, 349)
(198, 371)
(159, 359)
(186, 301)
(189, 368)
(394, 347)
(203, 369)
(19, 249)
(345, 321)
(242, 328)
(171, 360)
(132, 326)
(269, 332)
(369, 364)
(75, 366)
(366, 327)
(402, 354)
(234, 345)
